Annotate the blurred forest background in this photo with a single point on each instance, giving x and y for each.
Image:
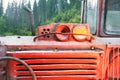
(15, 20)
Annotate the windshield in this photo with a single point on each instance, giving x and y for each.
(112, 17)
(91, 14)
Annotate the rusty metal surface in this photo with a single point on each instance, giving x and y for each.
(58, 50)
(55, 50)
(51, 65)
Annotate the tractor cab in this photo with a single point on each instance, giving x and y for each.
(103, 16)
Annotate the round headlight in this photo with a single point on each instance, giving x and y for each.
(62, 32)
(80, 32)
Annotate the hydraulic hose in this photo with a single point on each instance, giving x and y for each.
(22, 62)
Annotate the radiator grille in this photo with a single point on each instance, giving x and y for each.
(52, 65)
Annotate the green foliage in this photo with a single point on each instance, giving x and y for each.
(42, 11)
(2, 25)
(22, 31)
(2, 22)
(68, 16)
(17, 31)
(16, 20)
(8, 34)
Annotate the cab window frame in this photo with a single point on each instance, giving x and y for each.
(104, 21)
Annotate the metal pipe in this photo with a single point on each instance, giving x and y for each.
(61, 34)
(22, 62)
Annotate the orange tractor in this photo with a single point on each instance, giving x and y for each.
(67, 51)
